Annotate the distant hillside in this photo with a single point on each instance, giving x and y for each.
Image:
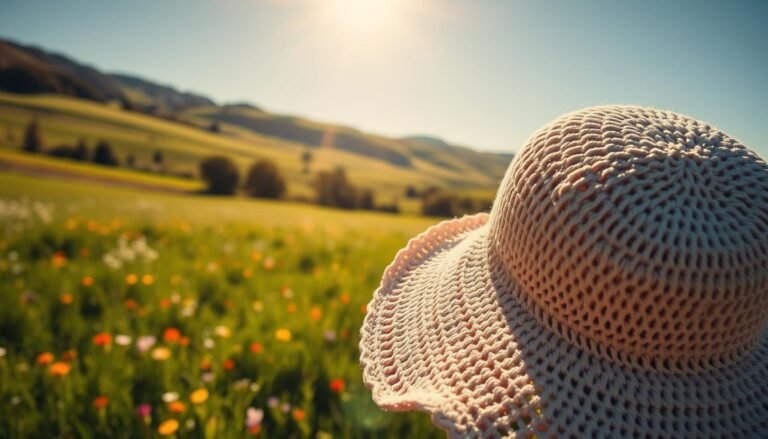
(150, 97)
(28, 70)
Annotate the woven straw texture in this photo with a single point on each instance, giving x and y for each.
(617, 288)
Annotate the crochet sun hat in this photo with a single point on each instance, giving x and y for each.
(618, 288)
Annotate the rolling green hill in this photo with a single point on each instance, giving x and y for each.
(137, 117)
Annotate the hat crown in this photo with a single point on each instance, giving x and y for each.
(640, 235)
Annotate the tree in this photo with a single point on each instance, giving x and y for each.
(81, 151)
(221, 175)
(104, 154)
(306, 159)
(157, 158)
(264, 180)
(33, 138)
(333, 189)
(214, 127)
(440, 204)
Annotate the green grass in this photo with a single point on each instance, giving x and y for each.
(47, 164)
(81, 260)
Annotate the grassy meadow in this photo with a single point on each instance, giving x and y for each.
(130, 314)
(65, 120)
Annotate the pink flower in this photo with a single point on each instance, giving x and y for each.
(143, 410)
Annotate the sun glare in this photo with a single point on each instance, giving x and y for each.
(359, 17)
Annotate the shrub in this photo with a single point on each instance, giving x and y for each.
(81, 151)
(221, 175)
(438, 203)
(333, 189)
(33, 138)
(265, 181)
(62, 151)
(104, 154)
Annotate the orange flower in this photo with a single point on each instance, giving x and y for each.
(254, 430)
(171, 335)
(168, 427)
(344, 298)
(59, 259)
(256, 256)
(269, 263)
(363, 309)
(177, 407)
(100, 402)
(147, 279)
(291, 307)
(45, 358)
(205, 365)
(131, 304)
(256, 348)
(102, 339)
(299, 414)
(247, 273)
(337, 385)
(316, 313)
(59, 369)
(165, 303)
(229, 364)
(66, 299)
(184, 341)
(131, 279)
(87, 281)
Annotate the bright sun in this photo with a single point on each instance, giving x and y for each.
(357, 17)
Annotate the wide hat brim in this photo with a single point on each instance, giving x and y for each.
(444, 335)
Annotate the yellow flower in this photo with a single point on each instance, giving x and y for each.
(199, 396)
(168, 427)
(161, 353)
(283, 335)
(222, 331)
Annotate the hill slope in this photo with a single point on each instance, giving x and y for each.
(30, 70)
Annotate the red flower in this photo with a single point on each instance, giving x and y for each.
(337, 385)
(102, 339)
(100, 402)
(229, 364)
(256, 348)
(171, 335)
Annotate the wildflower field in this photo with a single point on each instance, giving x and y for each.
(141, 315)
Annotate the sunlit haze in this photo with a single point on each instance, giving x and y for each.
(484, 74)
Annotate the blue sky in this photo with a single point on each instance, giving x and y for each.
(477, 72)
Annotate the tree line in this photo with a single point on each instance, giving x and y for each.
(264, 179)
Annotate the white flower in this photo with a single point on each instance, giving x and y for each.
(145, 342)
(253, 417)
(169, 397)
(272, 401)
(122, 340)
(190, 424)
(3, 352)
(208, 343)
